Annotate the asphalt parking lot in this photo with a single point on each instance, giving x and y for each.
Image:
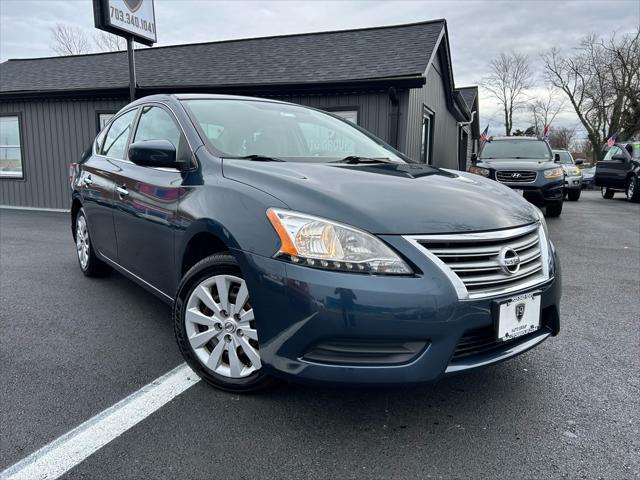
(72, 347)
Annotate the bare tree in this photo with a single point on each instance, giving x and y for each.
(545, 108)
(561, 138)
(508, 81)
(107, 42)
(69, 40)
(602, 82)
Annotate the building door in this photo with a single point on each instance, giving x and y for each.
(462, 150)
(426, 147)
(146, 202)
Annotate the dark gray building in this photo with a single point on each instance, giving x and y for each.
(396, 82)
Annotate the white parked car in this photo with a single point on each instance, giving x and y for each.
(572, 174)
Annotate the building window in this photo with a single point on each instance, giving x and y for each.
(426, 147)
(103, 119)
(10, 149)
(350, 115)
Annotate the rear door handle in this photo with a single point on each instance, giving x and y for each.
(122, 191)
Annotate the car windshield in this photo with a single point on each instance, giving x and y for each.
(244, 128)
(516, 149)
(565, 158)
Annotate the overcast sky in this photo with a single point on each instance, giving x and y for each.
(478, 30)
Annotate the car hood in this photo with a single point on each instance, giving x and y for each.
(388, 198)
(516, 164)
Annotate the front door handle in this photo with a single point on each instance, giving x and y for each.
(87, 180)
(122, 191)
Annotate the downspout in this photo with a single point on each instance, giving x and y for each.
(464, 124)
(394, 117)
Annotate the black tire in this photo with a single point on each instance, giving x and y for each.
(633, 189)
(574, 195)
(554, 209)
(606, 193)
(213, 265)
(94, 267)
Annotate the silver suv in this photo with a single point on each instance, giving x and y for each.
(572, 174)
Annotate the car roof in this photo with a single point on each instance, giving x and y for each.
(177, 97)
(518, 138)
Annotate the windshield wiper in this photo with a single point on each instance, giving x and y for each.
(257, 158)
(354, 159)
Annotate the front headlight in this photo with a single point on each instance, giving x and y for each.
(321, 243)
(479, 171)
(542, 221)
(553, 173)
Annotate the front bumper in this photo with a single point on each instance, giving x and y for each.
(573, 183)
(542, 192)
(322, 326)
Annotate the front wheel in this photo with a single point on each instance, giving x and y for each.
(574, 195)
(215, 326)
(633, 189)
(606, 192)
(554, 209)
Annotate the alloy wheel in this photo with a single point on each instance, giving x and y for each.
(631, 188)
(221, 328)
(82, 241)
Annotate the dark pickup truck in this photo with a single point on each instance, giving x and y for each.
(619, 171)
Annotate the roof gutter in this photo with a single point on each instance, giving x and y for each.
(401, 82)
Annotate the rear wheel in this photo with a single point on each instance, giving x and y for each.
(90, 264)
(633, 189)
(606, 192)
(574, 195)
(215, 326)
(554, 209)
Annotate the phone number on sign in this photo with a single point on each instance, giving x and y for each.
(121, 16)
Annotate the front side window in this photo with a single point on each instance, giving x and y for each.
(238, 128)
(515, 150)
(565, 157)
(615, 150)
(116, 140)
(10, 149)
(156, 124)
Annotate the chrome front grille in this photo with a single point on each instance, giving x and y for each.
(516, 176)
(484, 264)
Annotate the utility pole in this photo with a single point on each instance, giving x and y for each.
(132, 68)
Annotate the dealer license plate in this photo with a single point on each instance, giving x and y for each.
(518, 316)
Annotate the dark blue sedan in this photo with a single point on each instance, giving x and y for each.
(293, 244)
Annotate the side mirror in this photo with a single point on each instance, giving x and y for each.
(579, 161)
(556, 157)
(153, 153)
(619, 157)
(474, 158)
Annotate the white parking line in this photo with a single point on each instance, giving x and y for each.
(64, 453)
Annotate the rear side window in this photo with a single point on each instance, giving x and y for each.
(116, 140)
(156, 124)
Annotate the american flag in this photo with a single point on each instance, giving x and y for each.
(545, 132)
(483, 135)
(612, 140)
